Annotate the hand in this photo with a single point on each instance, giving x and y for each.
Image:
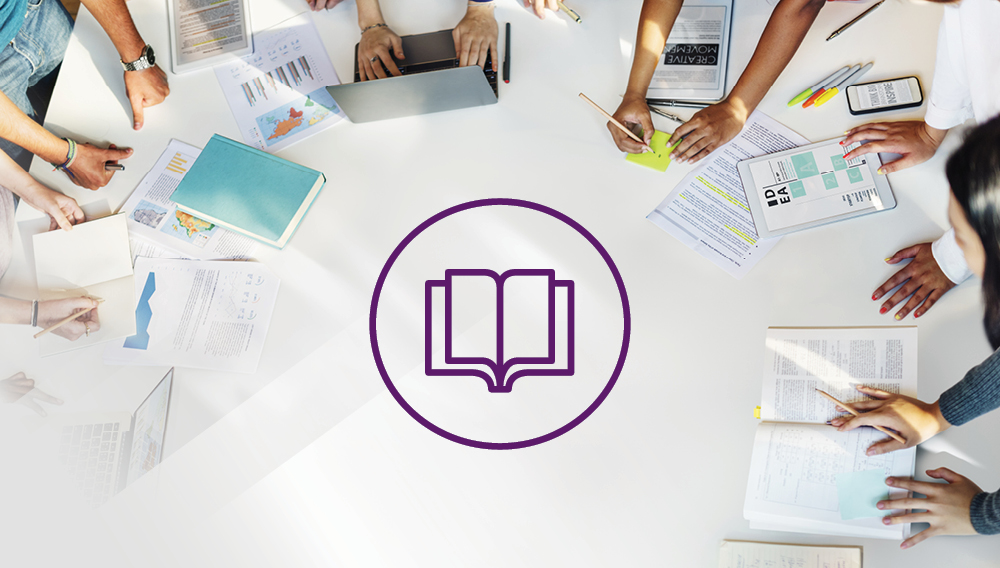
(63, 211)
(475, 36)
(924, 281)
(539, 7)
(916, 421)
(317, 5)
(375, 44)
(708, 129)
(916, 141)
(145, 88)
(947, 505)
(20, 388)
(633, 110)
(53, 311)
(88, 168)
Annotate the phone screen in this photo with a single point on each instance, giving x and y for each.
(885, 94)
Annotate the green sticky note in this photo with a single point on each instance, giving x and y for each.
(830, 179)
(796, 189)
(838, 163)
(854, 174)
(805, 165)
(659, 158)
(859, 492)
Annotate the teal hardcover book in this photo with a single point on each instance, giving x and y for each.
(248, 191)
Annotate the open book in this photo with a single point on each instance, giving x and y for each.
(499, 327)
(800, 464)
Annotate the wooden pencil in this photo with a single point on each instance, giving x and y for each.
(848, 408)
(616, 123)
(65, 320)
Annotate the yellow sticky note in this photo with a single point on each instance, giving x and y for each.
(659, 158)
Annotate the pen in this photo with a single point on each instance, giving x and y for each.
(118, 167)
(506, 56)
(616, 123)
(676, 104)
(666, 114)
(806, 93)
(569, 12)
(809, 102)
(848, 408)
(847, 82)
(66, 320)
(844, 27)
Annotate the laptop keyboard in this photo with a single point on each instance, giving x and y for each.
(89, 453)
(491, 75)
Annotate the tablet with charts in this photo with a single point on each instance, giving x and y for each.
(812, 185)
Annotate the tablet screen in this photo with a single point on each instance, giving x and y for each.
(813, 185)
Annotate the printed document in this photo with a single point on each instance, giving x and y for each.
(203, 314)
(741, 554)
(91, 260)
(708, 210)
(278, 94)
(155, 219)
(204, 29)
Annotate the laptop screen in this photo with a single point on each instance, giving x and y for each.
(147, 433)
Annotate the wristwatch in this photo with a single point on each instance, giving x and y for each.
(145, 61)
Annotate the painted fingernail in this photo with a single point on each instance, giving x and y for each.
(880, 505)
(890, 481)
(829, 423)
(888, 259)
(916, 315)
(841, 142)
(899, 316)
(844, 156)
(883, 309)
(886, 520)
(881, 171)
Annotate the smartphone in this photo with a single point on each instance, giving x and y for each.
(878, 96)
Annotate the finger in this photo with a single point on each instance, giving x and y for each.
(872, 391)
(708, 149)
(377, 67)
(397, 46)
(493, 50)
(682, 131)
(552, 5)
(946, 474)
(456, 36)
(918, 298)
(904, 503)
(60, 219)
(137, 111)
(903, 254)
(932, 299)
(539, 6)
(483, 51)
(870, 148)
(44, 397)
(893, 281)
(904, 292)
(862, 134)
(900, 164)
(465, 53)
(33, 405)
(906, 518)
(624, 143)
(383, 54)
(919, 537)
(884, 447)
(690, 140)
(926, 487)
(869, 126)
(113, 153)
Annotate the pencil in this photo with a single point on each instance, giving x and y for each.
(65, 320)
(616, 123)
(848, 408)
(569, 12)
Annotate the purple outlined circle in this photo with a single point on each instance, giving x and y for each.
(373, 324)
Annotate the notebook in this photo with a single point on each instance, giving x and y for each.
(806, 476)
(248, 191)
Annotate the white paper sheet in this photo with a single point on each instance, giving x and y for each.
(708, 210)
(799, 361)
(91, 260)
(278, 94)
(203, 314)
(154, 218)
(738, 554)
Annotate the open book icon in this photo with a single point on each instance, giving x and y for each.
(499, 327)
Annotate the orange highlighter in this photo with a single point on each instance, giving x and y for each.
(833, 81)
(850, 80)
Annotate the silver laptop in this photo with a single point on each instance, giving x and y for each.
(431, 81)
(105, 452)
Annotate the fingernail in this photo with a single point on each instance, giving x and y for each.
(846, 132)
(881, 171)
(905, 545)
(916, 315)
(875, 296)
(899, 316)
(886, 520)
(841, 142)
(829, 423)
(880, 506)
(883, 310)
(888, 259)
(870, 453)
(890, 481)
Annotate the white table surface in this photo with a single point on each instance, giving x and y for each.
(311, 462)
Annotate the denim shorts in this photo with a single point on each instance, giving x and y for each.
(35, 51)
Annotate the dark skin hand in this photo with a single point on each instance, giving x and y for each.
(922, 281)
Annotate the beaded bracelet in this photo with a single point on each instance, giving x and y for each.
(70, 157)
(373, 26)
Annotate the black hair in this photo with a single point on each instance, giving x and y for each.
(974, 174)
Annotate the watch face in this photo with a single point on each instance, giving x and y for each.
(150, 57)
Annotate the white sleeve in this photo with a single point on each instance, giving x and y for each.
(950, 101)
(950, 258)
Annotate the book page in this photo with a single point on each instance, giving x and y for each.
(739, 554)
(154, 218)
(793, 476)
(708, 210)
(799, 361)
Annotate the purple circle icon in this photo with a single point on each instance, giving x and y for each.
(554, 357)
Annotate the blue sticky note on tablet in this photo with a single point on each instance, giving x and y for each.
(859, 492)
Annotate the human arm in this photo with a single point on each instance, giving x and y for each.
(655, 21)
(88, 168)
(63, 211)
(144, 88)
(376, 41)
(18, 312)
(955, 507)
(715, 125)
(476, 35)
(914, 139)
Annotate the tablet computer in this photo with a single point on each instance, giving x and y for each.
(695, 59)
(205, 33)
(812, 185)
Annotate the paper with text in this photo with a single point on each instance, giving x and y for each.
(799, 361)
(202, 314)
(738, 554)
(708, 210)
(154, 219)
